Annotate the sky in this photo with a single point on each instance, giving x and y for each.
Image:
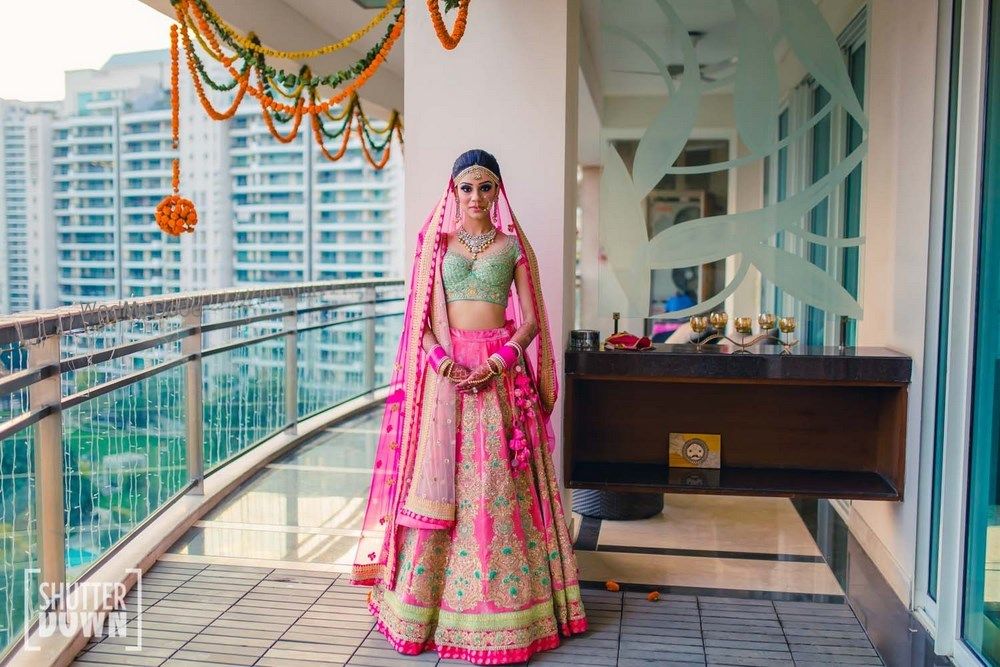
(41, 39)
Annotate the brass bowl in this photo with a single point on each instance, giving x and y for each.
(786, 324)
(743, 325)
(699, 323)
(766, 321)
(719, 320)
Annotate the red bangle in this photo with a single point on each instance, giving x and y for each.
(436, 357)
(508, 354)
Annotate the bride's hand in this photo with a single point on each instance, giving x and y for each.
(458, 373)
(476, 378)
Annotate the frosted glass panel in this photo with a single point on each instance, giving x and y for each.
(679, 71)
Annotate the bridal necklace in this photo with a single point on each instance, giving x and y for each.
(476, 243)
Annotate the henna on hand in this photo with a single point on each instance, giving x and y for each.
(478, 378)
(458, 373)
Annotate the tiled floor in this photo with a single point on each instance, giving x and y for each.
(221, 615)
(257, 582)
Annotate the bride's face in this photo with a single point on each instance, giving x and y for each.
(476, 193)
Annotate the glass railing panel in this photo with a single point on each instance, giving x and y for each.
(124, 456)
(18, 534)
(244, 399)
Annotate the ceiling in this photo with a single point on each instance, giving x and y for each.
(610, 65)
(624, 70)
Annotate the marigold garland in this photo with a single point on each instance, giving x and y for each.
(190, 14)
(248, 43)
(175, 214)
(449, 40)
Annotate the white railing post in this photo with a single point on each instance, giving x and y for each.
(291, 363)
(48, 459)
(369, 338)
(194, 413)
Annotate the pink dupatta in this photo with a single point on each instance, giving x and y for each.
(413, 471)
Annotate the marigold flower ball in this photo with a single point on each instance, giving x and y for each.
(176, 215)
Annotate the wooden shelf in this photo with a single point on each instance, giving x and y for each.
(807, 425)
(635, 477)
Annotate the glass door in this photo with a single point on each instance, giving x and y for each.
(981, 617)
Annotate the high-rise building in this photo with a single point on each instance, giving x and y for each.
(300, 217)
(269, 212)
(112, 157)
(25, 206)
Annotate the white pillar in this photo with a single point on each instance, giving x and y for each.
(590, 247)
(510, 87)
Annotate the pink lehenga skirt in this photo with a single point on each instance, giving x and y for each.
(502, 583)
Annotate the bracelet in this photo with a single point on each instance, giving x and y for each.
(445, 368)
(500, 367)
(517, 346)
(480, 380)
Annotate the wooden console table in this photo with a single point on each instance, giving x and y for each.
(814, 423)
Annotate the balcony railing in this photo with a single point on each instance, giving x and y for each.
(110, 412)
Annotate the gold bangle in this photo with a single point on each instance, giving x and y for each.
(445, 369)
(480, 381)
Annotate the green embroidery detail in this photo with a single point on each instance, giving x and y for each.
(463, 553)
(567, 595)
(507, 551)
(420, 569)
(513, 591)
(510, 620)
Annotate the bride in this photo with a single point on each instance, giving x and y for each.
(464, 540)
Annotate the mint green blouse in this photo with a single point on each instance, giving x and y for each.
(487, 278)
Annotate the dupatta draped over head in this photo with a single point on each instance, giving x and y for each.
(414, 469)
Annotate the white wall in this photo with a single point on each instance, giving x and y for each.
(510, 87)
(896, 219)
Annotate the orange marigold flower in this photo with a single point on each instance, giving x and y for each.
(612, 586)
(653, 596)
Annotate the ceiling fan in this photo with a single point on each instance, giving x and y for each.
(710, 72)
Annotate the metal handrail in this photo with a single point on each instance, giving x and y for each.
(39, 324)
(40, 335)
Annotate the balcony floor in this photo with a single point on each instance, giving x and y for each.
(262, 581)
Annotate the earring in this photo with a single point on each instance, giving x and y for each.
(496, 212)
(458, 213)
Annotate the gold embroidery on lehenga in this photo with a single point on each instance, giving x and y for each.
(463, 589)
(456, 593)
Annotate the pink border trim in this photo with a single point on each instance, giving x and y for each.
(476, 656)
(421, 521)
